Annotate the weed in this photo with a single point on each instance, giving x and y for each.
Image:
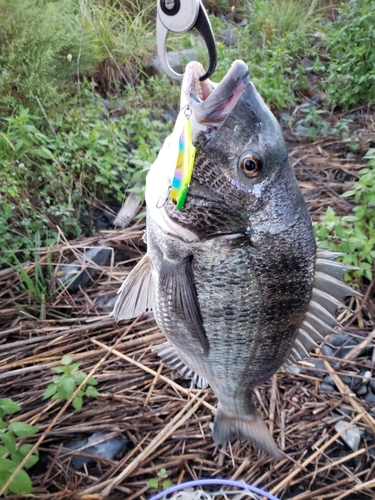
(354, 234)
(349, 72)
(48, 179)
(63, 386)
(12, 453)
(161, 482)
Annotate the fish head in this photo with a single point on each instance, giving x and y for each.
(241, 180)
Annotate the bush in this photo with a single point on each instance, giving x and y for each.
(49, 179)
(42, 48)
(354, 234)
(350, 72)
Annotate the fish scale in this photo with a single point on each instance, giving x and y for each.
(232, 272)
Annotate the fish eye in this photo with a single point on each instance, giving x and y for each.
(250, 164)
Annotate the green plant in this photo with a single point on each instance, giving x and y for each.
(161, 482)
(354, 234)
(12, 453)
(48, 178)
(312, 122)
(349, 72)
(63, 386)
(43, 50)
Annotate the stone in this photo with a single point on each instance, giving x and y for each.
(351, 437)
(326, 350)
(341, 338)
(177, 61)
(77, 273)
(106, 301)
(372, 385)
(370, 397)
(361, 390)
(228, 37)
(326, 387)
(328, 380)
(106, 448)
(318, 364)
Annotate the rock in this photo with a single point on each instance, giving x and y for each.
(106, 448)
(326, 387)
(75, 271)
(341, 338)
(347, 380)
(366, 376)
(372, 385)
(293, 369)
(351, 437)
(106, 301)
(318, 364)
(361, 390)
(328, 380)
(177, 61)
(228, 37)
(326, 350)
(370, 398)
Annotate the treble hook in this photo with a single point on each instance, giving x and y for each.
(180, 16)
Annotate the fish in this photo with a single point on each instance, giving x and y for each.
(232, 272)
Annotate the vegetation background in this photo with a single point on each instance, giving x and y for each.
(81, 120)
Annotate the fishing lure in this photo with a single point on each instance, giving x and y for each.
(184, 166)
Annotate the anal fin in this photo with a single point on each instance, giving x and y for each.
(170, 357)
(136, 294)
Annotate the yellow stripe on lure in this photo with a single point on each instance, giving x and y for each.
(184, 167)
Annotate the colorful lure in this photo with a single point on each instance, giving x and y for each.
(184, 167)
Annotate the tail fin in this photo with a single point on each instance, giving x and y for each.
(249, 427)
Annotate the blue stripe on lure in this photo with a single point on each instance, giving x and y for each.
(184, 167)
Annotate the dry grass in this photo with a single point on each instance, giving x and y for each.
(166, 419)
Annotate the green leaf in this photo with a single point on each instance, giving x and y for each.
(50, 391)
(167, 484)
(77, 403)
(68, 383)
(92, 381)
(9, 406)
(66, 360)
(3, 451)
(163, 473)
(24, 450)
(22, 429)
(91, 391)
(6, 464)
(9, 441)
(153, 483)
(2, 424)
(21, 483)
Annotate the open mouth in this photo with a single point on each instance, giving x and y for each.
(210, 102)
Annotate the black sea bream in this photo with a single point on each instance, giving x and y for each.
(233, 277)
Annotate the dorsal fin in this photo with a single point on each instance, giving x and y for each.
(136, 294)
(320, 318)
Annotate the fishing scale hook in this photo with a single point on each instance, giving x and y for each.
(180, 16)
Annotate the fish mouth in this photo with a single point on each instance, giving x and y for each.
(211, 102)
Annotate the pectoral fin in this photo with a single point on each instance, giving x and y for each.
(177, 282)
(136, 294)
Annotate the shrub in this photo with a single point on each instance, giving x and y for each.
(349, 73)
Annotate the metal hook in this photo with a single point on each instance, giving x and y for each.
(180, 16)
